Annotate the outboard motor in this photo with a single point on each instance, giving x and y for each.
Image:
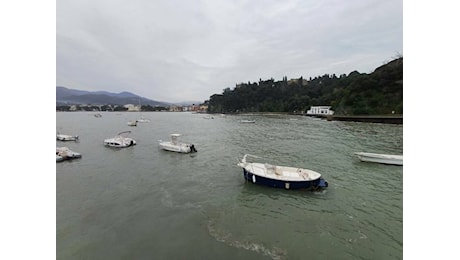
(192, 149)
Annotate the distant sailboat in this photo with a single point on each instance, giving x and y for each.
(142, 119)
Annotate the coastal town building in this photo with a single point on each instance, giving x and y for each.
(132, 108)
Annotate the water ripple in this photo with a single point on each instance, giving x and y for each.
(115, 200)
(226, 237)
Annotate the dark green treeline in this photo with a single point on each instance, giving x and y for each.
(380, 92)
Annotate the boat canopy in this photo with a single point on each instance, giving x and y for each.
(174, 138)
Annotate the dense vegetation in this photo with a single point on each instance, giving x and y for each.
(380, 92)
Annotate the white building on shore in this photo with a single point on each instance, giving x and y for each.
(319, 110)
(132, 108)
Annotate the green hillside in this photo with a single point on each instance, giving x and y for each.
(380, 92)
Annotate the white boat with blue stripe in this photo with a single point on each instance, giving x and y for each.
(281, 176)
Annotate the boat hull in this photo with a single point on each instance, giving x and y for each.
(66, 138)
(381, 158)
(285, 184)
(119, 144)
(64, 153)
(175, 146)
(178, 148)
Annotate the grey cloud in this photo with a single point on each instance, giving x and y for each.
(189, 50)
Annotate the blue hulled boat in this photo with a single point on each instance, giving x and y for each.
(281, 176)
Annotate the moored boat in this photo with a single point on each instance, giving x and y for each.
(132, 123)
(176, 146)
(63, 137)
(143, 120)
(281, 176)
(64, 153)
(120, 141)
(380, 158)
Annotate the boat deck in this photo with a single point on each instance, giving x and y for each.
(282, 172)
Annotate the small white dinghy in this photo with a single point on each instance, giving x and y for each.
(143, 120)
(63, 137)
(380, 158)
(175, 146)
(132, 123)
(120, 141)
(64, 153)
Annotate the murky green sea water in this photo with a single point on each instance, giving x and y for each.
(145, 203)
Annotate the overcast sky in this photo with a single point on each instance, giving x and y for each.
(170, 50)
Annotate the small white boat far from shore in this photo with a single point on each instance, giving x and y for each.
(63, 137)
(64, 153)
(132, 123)
(143, 120)
(380, 158)
(120, 141)
(175, 146)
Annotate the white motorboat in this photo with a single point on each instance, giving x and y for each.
(281, 176)
(63, 137)
(120, 141)
(380, 158)
(64, 153)
(143, 120)
(132, 123)
(175, 146)
(245, 121)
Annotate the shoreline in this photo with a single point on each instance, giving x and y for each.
(384, 119)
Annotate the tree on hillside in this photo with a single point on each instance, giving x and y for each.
(358, 93)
